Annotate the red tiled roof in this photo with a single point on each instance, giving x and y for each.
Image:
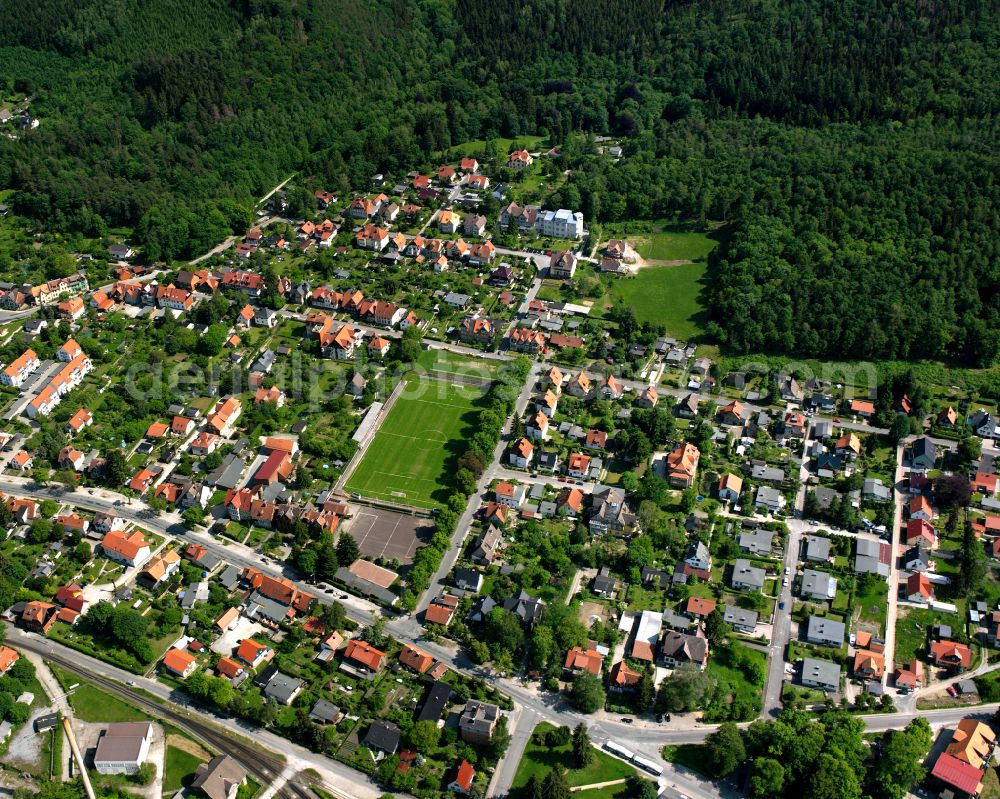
(365, 654)
(698, 606)
(952, 771)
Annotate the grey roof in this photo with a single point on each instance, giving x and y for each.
(758, 542)
(482, 607)
(264, 362)
(866, 564)
(526, 607)
(825, 496)
(816, 583)
(876, 488)
(824, 672)
(767, 496)
(739, 616)
(282, 687)
(867, 546)
(270, 609)
(917, 553)
(208, 561)
(821, 629)
(684, 646)
(697, 551)
(604, 584)
(817, 548)
(324, 711)
(923, 447)
(479, 717)
(122, 742)
(229, 472)
(822, 429)
(468, 578)
(768, 474)
(746, 574)
(454, 298)
(216, 778)
(230, 577)
(382, 735)
(675, 620)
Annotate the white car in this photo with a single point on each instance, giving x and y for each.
(784, 582)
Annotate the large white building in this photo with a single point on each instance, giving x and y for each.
(561, 224)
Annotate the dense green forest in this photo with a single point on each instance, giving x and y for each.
(850, 145)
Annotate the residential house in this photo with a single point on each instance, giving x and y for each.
(920, 508)
(918, 588)
(920, 531)
(821, 674)
(464, 776)
(562, 265)
(219, 778)
(610, 514)
(740, 619)
(868, 665)
(817, 585)
(579, 660)
(769, 499)
(951, 656)
(180, 662)
(699, 607)
(477, 722)
(697, 556)
(362, 659)
(757, 542)
(682, 465)
(131, 549)
(817, 549)
(874, 490)
(923, 454)
(382, 736)
(678, 648)
(747, 577)
(826, 632)
(282, 688)
(521, 454)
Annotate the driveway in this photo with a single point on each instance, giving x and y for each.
(229, 640)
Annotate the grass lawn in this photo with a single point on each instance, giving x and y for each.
(991, 785)
(411, 458)
(871, 603)
(540, 759)
(450, 363)
(671, 295)
(692, 756)
(179, 768)
(733, 679)
(90, 703)
(912, 627)
(674, 245)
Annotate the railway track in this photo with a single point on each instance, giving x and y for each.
(265, 768)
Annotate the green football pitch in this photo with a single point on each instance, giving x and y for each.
(411, 458)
